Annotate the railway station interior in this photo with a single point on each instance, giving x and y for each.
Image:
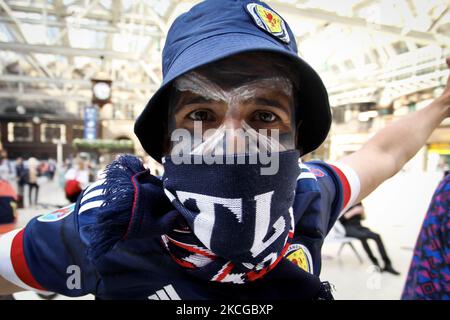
(75, 75)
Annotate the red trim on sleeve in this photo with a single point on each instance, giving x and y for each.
(345, 185)
(20, 264)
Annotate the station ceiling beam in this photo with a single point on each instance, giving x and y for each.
(66, 51)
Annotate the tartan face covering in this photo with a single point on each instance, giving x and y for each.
(236, 223)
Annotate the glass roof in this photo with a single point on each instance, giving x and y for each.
(346, 41)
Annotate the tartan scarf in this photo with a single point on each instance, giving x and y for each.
(221, 223)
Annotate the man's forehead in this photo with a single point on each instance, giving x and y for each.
(197, 84)
(245, 67)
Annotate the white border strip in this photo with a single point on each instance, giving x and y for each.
(6, 267)
(90, 205)
(306, 175)
(353, 181)
(94, 184)
(93, 194)
(171, 292)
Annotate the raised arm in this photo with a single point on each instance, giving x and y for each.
(389, 150)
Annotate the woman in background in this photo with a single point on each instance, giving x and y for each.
(32, 181)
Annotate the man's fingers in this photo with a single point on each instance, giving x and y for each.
(448, 79)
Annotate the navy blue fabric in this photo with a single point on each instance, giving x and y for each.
(230, 238)
(317, 206)
(52, 249)
(216, 29)
(138, 266)
(6, 209)
(237, 201)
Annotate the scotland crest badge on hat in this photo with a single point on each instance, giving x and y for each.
(269, 21)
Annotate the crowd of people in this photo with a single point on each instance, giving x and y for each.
(26, 176)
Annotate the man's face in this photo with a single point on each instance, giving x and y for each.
(264, 108)
(240, 99)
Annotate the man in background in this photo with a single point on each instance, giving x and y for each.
(351, 220)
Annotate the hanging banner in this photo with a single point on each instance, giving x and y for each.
(90, 122)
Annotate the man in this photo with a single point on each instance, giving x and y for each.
(234, 215)
(351, 220)
(21, 178)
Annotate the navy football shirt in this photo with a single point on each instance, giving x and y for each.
(49, 254)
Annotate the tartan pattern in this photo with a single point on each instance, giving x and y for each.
(429, 273)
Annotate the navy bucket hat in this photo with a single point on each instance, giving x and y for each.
(216, 29)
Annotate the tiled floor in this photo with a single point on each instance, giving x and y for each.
(395, 210)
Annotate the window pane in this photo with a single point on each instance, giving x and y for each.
(53, 133)
(20, 132)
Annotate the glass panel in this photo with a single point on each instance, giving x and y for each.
(53, 133)
(18, 131)
(77, 132)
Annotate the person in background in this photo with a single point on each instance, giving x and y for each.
(5, 167)
(429, 272)
(21, 177)
(351, 220)
(32, 180)
(8, 198)
(51, 168)
(77, 178)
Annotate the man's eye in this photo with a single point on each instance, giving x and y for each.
(200, 115)
(266, 116)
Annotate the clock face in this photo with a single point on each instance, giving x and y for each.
(102, 91)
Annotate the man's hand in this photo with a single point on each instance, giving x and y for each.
(389, 150)
(444, 99)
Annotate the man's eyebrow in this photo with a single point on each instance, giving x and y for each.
(192, 100)
(196, 99)
(268, 102)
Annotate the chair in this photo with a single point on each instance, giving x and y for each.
(337, 235)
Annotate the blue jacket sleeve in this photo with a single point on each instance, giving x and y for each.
(48, 255)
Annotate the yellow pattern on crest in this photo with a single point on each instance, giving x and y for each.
(299, 258)
(270, 19)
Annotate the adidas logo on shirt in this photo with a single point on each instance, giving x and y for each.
(166, 293)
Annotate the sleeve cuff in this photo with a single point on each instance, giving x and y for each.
(350, 184)
(13, 265)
